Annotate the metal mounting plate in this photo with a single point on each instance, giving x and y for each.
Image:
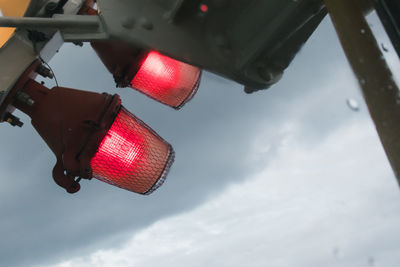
(20, 52)
(249, 41)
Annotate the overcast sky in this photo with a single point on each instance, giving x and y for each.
(290, 176)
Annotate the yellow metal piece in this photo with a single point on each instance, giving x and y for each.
(11, 8)
(380, 92)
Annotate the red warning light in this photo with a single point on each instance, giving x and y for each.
(167, 80)
(204, 8)
(132, 156)
(161, 72)
(92, 135)
(164, 79)
(120, 149)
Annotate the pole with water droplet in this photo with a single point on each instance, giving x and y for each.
(380, 91)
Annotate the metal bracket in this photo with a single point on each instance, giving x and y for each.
(19, 49)
(72, 27)
(251, 42)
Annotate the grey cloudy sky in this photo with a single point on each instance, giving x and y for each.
(285, 177)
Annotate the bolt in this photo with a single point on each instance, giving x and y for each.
(249, 90)
(78, 43)
(13, 120)
(30, 102)
(269, 75)
(53, 8)
(128, 23)
(25, 98)
(146, 24)
(44, 72)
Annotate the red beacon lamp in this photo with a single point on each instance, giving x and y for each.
(167, 80)
(91, 135)
(160, 77)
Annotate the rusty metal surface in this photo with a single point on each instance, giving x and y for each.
(19, 49)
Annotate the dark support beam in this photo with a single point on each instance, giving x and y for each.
(57, 22)
(389, 13)
(375, 78)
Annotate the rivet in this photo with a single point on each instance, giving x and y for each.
(146, 24)
(128, 23)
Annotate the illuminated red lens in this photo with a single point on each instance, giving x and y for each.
(132, 156)
(167, 80)
(203, 8)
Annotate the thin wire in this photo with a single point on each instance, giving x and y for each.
(60, 102)
(44, 62)
(47, 65)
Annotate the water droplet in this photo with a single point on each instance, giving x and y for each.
(390, 87)
(362, 31)
(362, 81)
(384, 47)
(352, 104)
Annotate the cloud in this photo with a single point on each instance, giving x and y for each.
(309, 207)
(221, 137)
